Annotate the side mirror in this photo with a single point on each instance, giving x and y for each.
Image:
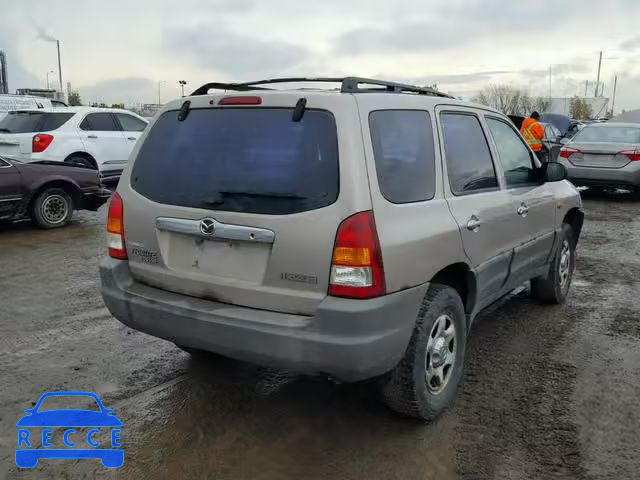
(553, 172)
(564, 140)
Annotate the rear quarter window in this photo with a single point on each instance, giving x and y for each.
(255, 160)
(404, 154)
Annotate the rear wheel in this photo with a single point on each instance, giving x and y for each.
(52, 208)
(424, 383)
(555, 287)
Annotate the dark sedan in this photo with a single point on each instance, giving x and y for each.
(47, 192)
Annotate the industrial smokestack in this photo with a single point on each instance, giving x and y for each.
(4, 81)
(60, 68)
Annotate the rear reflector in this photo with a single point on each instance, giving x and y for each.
(566, 152)
(40, 142)
(633, 155)
(356, 266)
(115, 228)
(240, 101)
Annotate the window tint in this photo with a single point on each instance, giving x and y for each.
(53, 121)
(513, 154)
(404, 154)
(30, 122)
(467, 154)
(99, 122)
(130, 123)
(240, 159)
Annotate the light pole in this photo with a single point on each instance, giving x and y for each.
(50, 71)
(160, 82)
(182, 83)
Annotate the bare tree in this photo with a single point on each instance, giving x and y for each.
(511, 100)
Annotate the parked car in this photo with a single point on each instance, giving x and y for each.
(604, 155)
(100, 138)
(47, 192)
(317, 230)
(552, 141)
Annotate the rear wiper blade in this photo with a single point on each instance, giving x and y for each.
(5, 130)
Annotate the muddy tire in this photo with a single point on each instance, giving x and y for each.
(555, 288)
(424, 383)
(52, 208)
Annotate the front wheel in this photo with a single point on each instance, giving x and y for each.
(52, 208)
(424, 383)
(555, 287)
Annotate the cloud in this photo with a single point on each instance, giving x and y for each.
(126, 90)
(17, 75)
(226, 5)
(240, 56)
(631, 44)
(453, 25)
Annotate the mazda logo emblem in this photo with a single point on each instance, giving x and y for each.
(208, 226)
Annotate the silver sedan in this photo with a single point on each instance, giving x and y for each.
(604, 155)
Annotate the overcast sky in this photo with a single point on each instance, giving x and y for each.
(118, 51)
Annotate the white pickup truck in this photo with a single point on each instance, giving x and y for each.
(9, 103)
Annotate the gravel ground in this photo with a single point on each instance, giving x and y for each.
(548, 392)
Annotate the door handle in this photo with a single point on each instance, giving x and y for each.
(131, 138)
(92, 136)
(523, 210)
(474, 224)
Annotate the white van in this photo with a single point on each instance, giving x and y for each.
(9, 103)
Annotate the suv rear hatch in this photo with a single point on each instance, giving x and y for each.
(18, 128)
(241, 203)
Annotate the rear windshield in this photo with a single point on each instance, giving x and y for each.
(609, 134)
(253, 160)
(31, 122)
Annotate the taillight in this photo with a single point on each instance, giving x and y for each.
(356, 266)
(240, 101)
(633, 155)
(566, 152)
(40, 142)
(115, 228)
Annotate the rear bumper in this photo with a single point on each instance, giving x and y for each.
(627, 176)
(111, 176)
(348, 339)
(94, 200)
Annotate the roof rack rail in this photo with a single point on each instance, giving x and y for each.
(347, 85)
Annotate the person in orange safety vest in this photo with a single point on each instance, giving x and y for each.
(533, 133)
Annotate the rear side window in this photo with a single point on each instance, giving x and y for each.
(30, 122)
(130, 123)
(469, 165)
(404, 154)
(101, 122)
(253, 160)
(53, 121)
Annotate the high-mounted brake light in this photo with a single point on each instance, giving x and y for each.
(240, 101)
(115, 228)
(633, 155)
(356, 267)
(40, 142)
(566, 152)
